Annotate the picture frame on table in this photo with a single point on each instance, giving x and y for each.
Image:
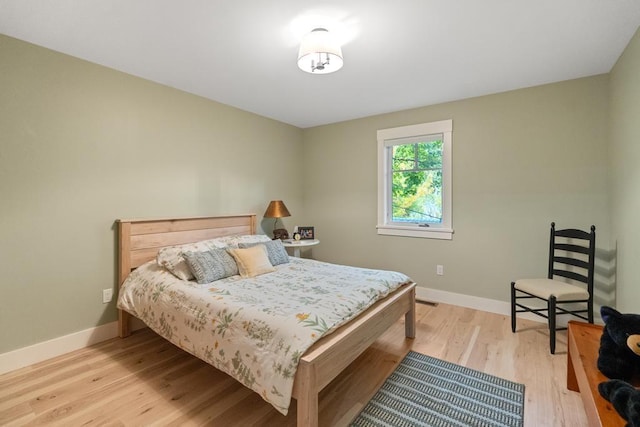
(306, 233)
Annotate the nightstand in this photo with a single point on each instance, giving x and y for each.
(299, 244)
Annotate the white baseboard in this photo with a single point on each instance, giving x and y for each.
(469, 301)
(26, 356)
(485, 304)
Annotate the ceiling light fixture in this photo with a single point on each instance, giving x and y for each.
(319, 53)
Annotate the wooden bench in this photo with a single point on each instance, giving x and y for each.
(583, 374)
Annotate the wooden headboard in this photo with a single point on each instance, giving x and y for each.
(139, 241)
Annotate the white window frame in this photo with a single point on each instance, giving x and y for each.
(386, 138)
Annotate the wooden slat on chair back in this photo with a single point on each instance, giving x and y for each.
(564, 255)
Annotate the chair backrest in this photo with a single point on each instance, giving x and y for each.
(572, 255)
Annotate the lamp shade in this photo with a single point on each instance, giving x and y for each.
(319, 53)
(276, 209)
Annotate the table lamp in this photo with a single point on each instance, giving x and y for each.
(277, 209)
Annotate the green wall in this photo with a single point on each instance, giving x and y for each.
(521, 159)
(625, 174)
(82, 145)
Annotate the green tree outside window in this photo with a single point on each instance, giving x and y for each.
(417, 182)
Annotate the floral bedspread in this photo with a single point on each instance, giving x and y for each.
(255, 329)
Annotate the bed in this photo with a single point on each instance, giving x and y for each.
(139, 242)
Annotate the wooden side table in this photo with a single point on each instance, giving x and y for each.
(299, 244)
(584, 376)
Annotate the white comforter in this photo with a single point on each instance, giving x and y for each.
(255, 329)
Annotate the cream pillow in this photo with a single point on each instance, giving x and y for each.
(276, 251)
(252, 261)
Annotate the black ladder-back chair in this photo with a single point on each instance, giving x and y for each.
(568, 259)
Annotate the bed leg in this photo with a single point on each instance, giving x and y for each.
(307, 397)
(410, 317)
(124, 328)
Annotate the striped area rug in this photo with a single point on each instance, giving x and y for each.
(424, 391)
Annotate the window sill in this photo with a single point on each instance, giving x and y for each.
(421, 232)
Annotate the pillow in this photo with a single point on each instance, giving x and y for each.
(252, 261)
(211, 265)
(172, 258)
(275, 251)
(237, 240)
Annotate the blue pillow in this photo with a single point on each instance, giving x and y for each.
(211, 265)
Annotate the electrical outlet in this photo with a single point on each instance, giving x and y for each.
(107, 294)
(440, 270)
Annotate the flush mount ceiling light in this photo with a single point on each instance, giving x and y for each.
(319, 53)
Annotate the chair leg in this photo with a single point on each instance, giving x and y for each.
(552, 324)
(590, 310)
(513, 306)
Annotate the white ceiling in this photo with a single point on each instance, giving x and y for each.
(398, 54)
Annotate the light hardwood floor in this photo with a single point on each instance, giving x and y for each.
(144, 380)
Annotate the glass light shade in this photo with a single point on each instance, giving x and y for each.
(319, 53)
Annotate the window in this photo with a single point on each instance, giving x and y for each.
(414, 180)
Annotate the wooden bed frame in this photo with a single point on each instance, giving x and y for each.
(140, 240)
